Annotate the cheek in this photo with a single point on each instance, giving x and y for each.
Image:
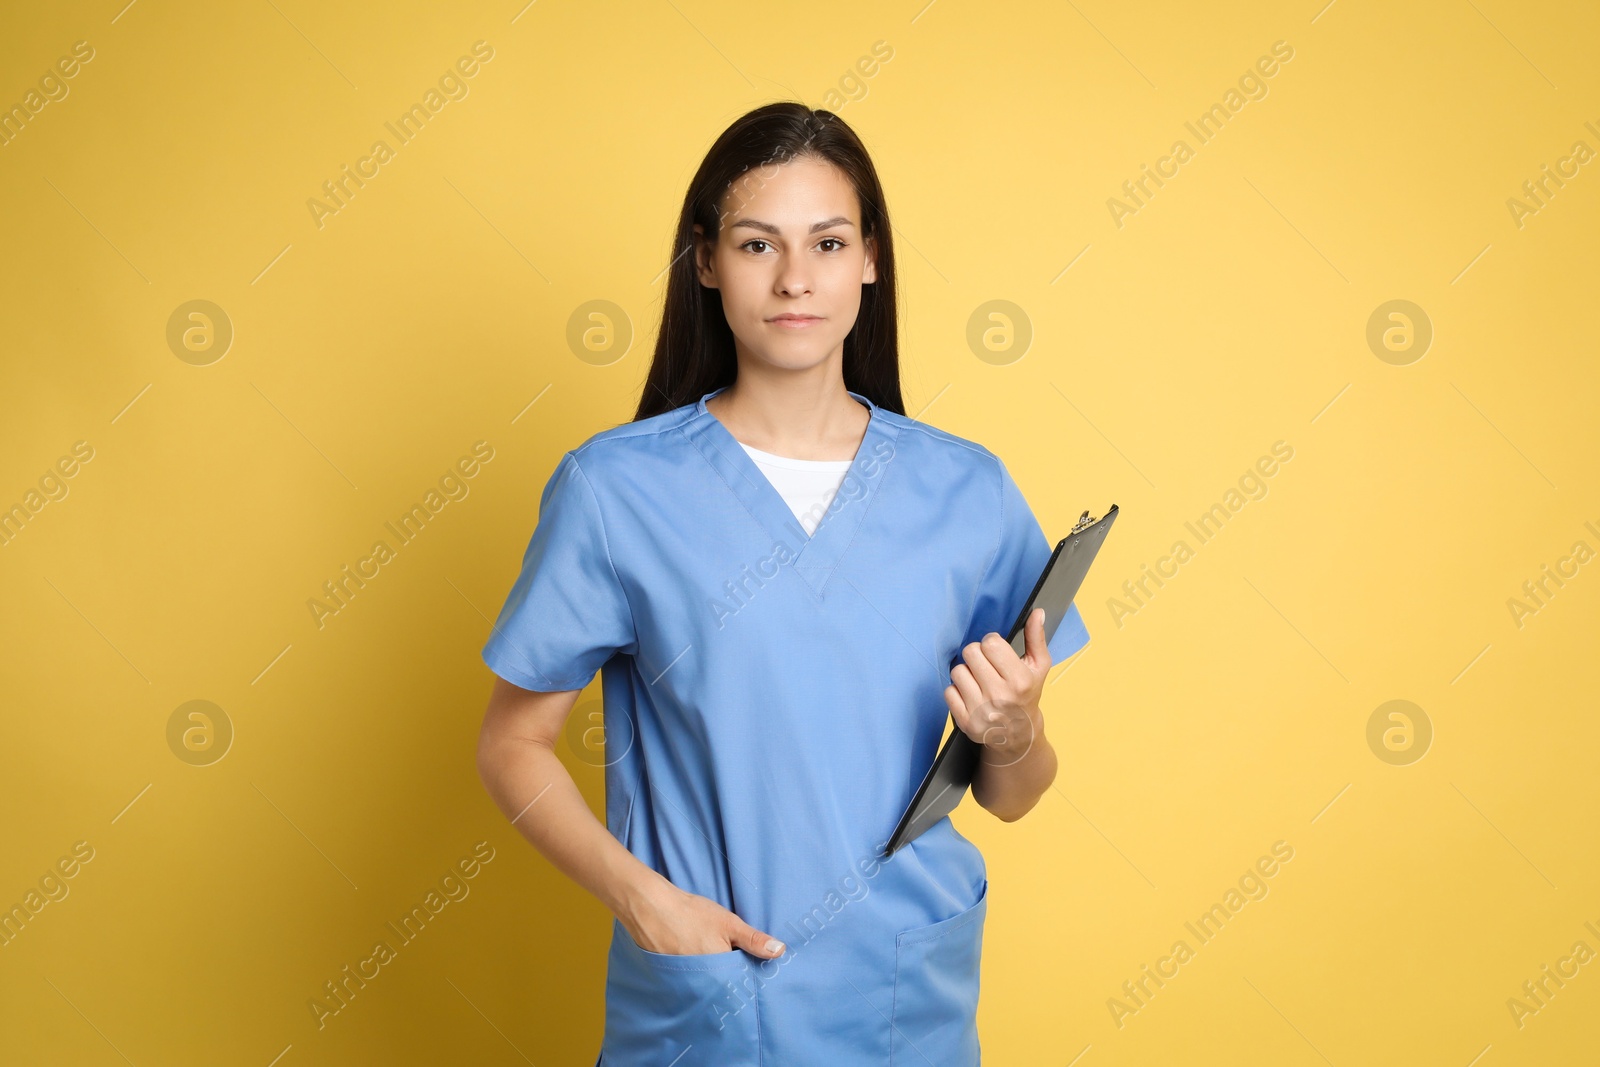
(745, 291)
(845, 282)
(744, 295)
(741, 281)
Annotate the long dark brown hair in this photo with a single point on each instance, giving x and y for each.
(694, 350)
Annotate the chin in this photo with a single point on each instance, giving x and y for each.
(792, 357)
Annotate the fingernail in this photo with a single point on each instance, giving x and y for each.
(774, 946)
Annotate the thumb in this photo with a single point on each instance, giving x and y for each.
(755, 942)
(1038, 649)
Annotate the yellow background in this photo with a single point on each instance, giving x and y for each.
(369, 354)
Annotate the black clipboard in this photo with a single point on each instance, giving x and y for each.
(951, 774)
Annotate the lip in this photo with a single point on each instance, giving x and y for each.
(795, 322)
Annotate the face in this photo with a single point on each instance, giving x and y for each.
(789, 261)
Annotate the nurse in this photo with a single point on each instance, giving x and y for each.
(773, 570)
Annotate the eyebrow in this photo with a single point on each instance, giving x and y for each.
(767, 227)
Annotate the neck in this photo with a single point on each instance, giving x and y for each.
(803, 414)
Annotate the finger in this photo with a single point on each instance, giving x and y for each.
(967, 687)
(979, 656)
(1038, 649)
(755, 942)
(1010, 669)
(971, 698)
(958, 707)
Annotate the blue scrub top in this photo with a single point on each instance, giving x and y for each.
(772, 702)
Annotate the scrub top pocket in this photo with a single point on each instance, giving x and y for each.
(936, 990)
(685, 1010)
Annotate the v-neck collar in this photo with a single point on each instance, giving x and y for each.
(815, 557)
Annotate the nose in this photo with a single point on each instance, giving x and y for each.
(794, 275)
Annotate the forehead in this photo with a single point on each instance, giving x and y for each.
(792, 195)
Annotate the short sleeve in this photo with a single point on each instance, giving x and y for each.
(1004, 588)
(567, 613)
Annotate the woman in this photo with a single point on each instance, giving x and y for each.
(773, 683)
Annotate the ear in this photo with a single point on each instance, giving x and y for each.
(869, 267)
(703, 264)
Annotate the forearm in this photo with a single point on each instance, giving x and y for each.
(1010, 779)
(529, 783)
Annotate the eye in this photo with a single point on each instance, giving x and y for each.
(753, 241)
(835, 240)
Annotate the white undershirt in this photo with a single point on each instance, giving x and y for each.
(806, 485)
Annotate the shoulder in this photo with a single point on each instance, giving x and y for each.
(641, 434)
(956, 458)
(965, 474)
(947, 444)
(607, 452)
(631, 461)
